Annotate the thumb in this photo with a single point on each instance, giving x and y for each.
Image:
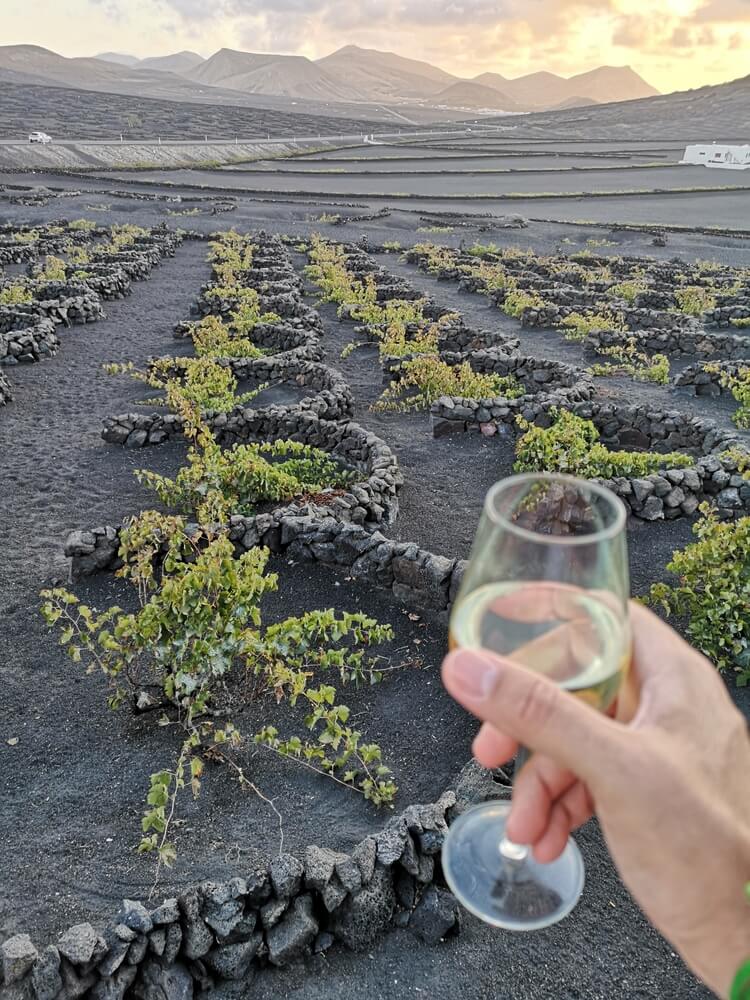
(532, 710)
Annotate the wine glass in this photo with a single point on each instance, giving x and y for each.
(547, 587)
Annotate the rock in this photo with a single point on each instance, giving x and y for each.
(223, 919)
(642, 489)
(46, 981)
(173, 943)
(136, 916)
(653, 509)
(78, 944)
(272, 912)
(363, 917)
(286, 875)
(365, 855)
(288, 939)
(729, 498)
(391, 842)
(136, 439)
(18, 955)
(476, 785)
(675, 497)
(117, 949)
(436, 915)
(137, 950)
(258, 888)
(157, 941)
(75, 986)
(164, 982)
(197, 938)
(232, 961)
(115, 987)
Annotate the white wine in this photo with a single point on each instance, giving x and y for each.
(575, 638)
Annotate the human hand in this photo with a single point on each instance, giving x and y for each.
(670, 787)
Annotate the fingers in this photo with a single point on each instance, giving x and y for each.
(548, 804)
(532, 711)
(493, 748)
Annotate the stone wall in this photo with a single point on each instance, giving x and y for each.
(674, 342)
(547, 384)
(34, 343)
(669, 494)
(219, 934)
(331, 400)
(673, 493)
(372, 501)
(709, 383)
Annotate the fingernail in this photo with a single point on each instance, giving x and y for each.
(474, 674)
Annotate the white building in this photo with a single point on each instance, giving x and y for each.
(718, 155)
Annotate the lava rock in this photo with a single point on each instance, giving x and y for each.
(18, 955)
(136, 916)
(164, 982)
(78, 944)
(437, 914)
(288, 939)
(361, 918)
(232, 961)
(286, 875)
(46, 981)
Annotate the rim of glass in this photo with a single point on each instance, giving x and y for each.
(606, 494)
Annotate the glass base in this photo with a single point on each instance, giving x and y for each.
(500, 882)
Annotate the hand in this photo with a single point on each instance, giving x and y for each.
(670, 787)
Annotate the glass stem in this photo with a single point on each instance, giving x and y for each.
(509, 849)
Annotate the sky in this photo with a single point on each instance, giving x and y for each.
(674, 44)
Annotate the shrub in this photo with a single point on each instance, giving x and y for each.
(217, 483)
(434, 378)
(82, 225)
(630, 361)
(739, 386)
(28, 236)
(713, 593)
(628, 290)
(435, 229)
(198, 381)
(741, 322)
(572, 445)
(213, 339)
(694, 300)
(15, 295)
(483, 249)
(198, 643)
(579, 326)
(391, 246)
(54, 270)
(79, 255)
(517, 302)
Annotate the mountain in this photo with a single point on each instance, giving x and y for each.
(720, 112)
(180, 62)
(610, 83)
(384, 75)
(494, 80)
(548, 90)
(468, 94)
(120, 58)
(286, 76)
(350, 76)
(574, 102)
(43, 67)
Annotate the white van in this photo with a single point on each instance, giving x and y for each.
(39, 137)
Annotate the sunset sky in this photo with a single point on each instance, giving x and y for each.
(674, 44)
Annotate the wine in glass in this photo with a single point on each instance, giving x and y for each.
(547, 587)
